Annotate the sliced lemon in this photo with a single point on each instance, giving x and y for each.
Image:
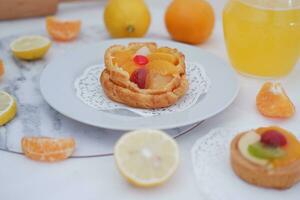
(30, 47)
(146, 157)
(8, 108)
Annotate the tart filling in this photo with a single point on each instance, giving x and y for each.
(271, 147)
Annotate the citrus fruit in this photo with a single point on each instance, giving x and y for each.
(30, 47)
(272, 101)
(126, 18)
(2, 70)
(190, 21)
(8, 108)
(146, 157)
(63, 30)
(47, 149)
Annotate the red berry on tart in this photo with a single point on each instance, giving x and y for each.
(267, 157)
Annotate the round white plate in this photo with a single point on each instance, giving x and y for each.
(57, 87)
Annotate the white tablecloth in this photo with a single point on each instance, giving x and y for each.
(98, 178)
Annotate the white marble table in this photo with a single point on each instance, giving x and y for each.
(98, 178)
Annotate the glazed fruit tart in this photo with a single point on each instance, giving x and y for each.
(143, 75)
(267, 157)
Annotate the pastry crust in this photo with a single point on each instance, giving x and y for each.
(278, 178)
(117, 85)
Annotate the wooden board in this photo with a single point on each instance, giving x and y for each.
(13, 9)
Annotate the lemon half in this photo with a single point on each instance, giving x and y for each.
(30, 47)
(146, 157)
(8, 108)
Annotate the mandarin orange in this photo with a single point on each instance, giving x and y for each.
(47, 149)
(63, 30)
(190, 21)
(272, 101)
(2, 70)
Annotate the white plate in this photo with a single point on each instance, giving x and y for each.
(57, 87)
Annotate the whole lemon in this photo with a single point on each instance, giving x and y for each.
(190, 21)
(126, 18)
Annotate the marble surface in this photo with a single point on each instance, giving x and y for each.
(35, 117)
(98, 178)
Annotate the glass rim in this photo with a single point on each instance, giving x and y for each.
(273, 4)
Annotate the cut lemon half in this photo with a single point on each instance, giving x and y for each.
(30, 47)
(8, 108)
(146, 157)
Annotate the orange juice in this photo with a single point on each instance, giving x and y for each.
(262, 36)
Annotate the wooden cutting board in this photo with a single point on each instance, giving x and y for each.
(14, 9)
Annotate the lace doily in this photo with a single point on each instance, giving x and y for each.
(89, 91)
(215, 177)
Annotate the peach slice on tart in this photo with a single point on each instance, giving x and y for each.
(142, 75)
(267, 157)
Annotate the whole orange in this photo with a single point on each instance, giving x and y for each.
(190, 21)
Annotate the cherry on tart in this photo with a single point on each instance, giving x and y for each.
(143, 75)
(140, 60)
(139, 77)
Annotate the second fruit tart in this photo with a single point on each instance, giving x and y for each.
(143, 75)
(267, 157)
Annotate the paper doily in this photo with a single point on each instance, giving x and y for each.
(89, 91)
(215, 177)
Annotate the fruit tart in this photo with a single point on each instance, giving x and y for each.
(143, 75)
(267, 157)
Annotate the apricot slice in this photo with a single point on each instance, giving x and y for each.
(162, 56)
(129, 66)
(273, 102)
(162, 67)
(47, 149)
(121, 57)
(63, 30)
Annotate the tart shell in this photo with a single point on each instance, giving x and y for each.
(117, 85)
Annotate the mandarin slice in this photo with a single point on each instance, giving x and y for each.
(48, 149)
(162, 56)
(63, 30)
(162, 67)
(273, 102)
(1, 68)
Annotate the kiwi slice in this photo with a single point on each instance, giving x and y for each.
(260, 150)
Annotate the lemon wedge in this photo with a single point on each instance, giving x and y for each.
(146, 157)
(8, 108)
(30, 47)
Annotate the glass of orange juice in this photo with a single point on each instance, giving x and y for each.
(262, 36)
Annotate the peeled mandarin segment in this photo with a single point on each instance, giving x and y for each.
(63, 30)
(162, 56)
(292, 148)
(1, 68)
(162, 67)
(273, 102)
(47, 149)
